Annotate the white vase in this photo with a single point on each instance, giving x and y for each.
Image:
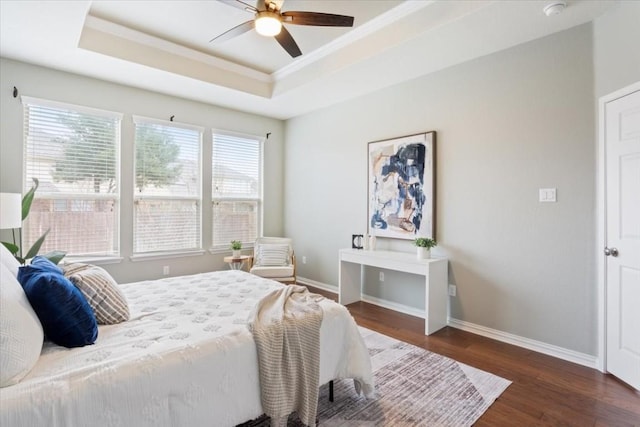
(423, 253)
(372, 243)
(236, 253)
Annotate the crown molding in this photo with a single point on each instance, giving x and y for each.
(358, 33)
(120, 31)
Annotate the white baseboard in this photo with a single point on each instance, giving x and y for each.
(411, 311)
(315, 284)
(366, 298)
(538, 346)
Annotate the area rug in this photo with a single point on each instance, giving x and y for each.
(414, 387)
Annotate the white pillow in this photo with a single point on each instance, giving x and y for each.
(21, 334)
(9, 260)
(273, 255)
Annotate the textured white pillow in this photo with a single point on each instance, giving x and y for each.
(21, 334)
(9, 260)
(273, 255)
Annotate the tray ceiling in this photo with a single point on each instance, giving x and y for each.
(164, 45)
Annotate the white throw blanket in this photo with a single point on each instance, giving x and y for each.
(286, 327)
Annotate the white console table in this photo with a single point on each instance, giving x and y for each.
(435, 271)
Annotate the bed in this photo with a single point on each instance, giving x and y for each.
(184, 358)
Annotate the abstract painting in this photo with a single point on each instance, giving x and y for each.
(402, 187)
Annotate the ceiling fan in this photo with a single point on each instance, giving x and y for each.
(269, 18)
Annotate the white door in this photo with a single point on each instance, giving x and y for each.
(622, 154)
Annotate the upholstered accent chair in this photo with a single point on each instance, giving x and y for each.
(273, 258)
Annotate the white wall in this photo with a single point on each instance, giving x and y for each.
(60, 86)
(507, 124)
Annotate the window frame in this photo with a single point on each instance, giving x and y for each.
(115, 197)
(198, 198)
(259, 199)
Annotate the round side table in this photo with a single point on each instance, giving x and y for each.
(236, 263)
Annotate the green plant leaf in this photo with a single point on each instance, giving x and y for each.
(28, 199)
(425, 242)
(12, 248)
(36, 246)
(55, 256)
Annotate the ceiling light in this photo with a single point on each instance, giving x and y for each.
(268, 23)
(554, 8)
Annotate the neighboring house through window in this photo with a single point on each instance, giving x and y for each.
(73, 151)
(236, 188)
(167, 193)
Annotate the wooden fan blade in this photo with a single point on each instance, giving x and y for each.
(235, 31)
(318, 19)
(239, 4)
(288, 43)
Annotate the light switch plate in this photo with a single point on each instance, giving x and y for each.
(547, 195)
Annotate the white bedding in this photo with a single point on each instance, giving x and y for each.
(186, 358)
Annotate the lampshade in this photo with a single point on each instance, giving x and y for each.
(10, 210)
(268, 23)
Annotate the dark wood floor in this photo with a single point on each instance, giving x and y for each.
(545, 390)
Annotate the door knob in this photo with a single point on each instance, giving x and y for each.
(611, 252)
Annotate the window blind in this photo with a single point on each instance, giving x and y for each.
(167, 194)
(236, 188)
(73, 152)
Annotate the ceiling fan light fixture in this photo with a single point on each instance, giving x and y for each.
(268, 23)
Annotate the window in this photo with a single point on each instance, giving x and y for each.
(73, 152)
(167, 194)
(236, 188)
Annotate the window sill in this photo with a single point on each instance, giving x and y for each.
(93, 260)
(165, 255)
(246, 250)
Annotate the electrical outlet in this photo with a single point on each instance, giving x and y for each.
(165, 270)
(304, 259)
(453, 290)
(382, 276)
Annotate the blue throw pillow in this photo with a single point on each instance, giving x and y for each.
(66, 317)
(38, 264)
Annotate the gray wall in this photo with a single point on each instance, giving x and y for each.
(507, 124)
(616, 49)
(64, 87)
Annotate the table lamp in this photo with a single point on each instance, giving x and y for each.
(10, 210)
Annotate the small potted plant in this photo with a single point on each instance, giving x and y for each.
(424, 245)
(236, 246)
